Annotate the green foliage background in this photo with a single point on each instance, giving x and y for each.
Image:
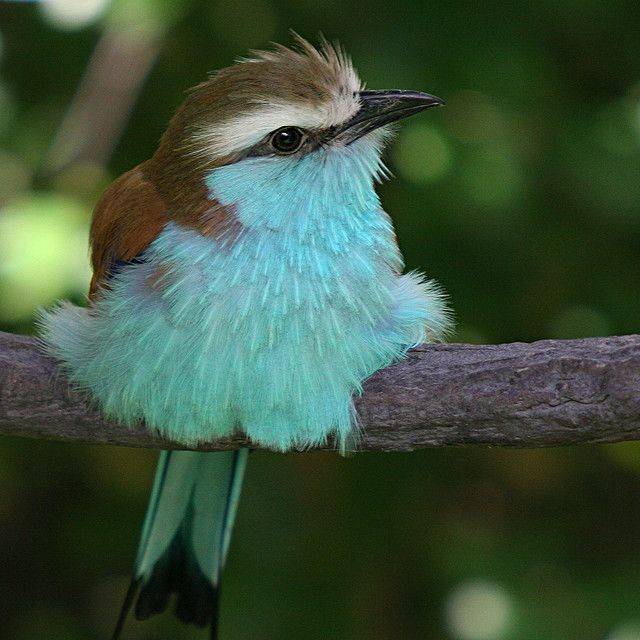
(522, 197)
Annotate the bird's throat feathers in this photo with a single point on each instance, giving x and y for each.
(301, 195)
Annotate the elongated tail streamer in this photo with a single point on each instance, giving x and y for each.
(185, 536)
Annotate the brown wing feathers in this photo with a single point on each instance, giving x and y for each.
(128, 217)
(135, 208)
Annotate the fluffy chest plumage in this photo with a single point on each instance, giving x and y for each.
(312, 256)
(274, 288)
(270, 330)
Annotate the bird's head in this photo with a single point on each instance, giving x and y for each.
(285, 114)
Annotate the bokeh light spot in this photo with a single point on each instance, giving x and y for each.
(422, 154)
(43, 253)
(479, 611)
(72, 14)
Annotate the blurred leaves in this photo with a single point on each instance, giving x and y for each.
(479, 611)
(43, 249)
(72, 14)
(521, 196)
(413, 163)
(153, 15)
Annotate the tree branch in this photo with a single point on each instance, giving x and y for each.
(553, 392)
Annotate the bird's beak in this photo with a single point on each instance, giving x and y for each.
(378, 108)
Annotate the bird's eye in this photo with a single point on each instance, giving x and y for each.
(287, 139)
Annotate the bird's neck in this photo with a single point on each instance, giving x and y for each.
(292, 238)
(300, 196)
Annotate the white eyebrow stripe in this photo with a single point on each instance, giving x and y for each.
(248, 129)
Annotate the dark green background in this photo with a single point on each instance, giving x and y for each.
(522, 197)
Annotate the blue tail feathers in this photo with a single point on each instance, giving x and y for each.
(185, 536)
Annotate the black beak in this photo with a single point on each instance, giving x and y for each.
(382, 107)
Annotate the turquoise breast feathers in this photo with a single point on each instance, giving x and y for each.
(270, 332)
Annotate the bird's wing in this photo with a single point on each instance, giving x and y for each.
(128, 217)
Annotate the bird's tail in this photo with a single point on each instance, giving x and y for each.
(185, 536)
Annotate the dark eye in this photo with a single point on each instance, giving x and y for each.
(287, 139)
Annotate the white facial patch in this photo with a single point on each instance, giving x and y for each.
(247, 129)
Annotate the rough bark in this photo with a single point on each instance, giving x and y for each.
(553, 392)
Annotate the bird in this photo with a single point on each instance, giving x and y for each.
(246, 280)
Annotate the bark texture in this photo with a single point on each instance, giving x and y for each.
(552, 392)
